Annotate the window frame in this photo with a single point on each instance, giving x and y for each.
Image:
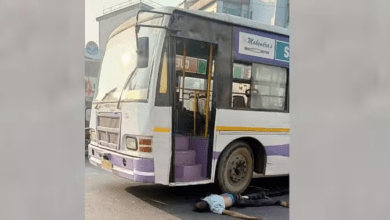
(163, 99)
(287, 95)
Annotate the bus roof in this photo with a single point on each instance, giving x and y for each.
(231, 19)
(226, 18)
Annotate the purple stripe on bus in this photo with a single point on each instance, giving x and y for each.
(132, 164)
(144, 179)
(117, 161)
(144, 165)
(139, 164)
(216, 155)
(107, 155)
(129, 163)
(274, 150)
(278, 150)
(135, 177)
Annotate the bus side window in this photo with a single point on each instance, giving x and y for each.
(241, 83)
(268, 87)
(259, 86)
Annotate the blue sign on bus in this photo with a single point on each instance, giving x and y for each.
(282, 51)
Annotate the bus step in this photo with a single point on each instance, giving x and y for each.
(188, 172)
(200, 145)
(185, 157)
(182, 142)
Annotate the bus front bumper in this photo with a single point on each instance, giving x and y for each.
(133, 168)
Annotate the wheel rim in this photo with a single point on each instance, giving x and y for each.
(237, 169)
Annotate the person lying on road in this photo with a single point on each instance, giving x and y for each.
(219, 203)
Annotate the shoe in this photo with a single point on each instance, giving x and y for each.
(239, 196)
(285, 204)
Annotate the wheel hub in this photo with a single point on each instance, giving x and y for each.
(238, 168)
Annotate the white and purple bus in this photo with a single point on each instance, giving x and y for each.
(191, 97)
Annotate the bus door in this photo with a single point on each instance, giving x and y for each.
(192, 105)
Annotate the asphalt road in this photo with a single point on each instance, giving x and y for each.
(108, 197)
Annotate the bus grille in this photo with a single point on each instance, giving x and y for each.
(108, 122)
(108, 129)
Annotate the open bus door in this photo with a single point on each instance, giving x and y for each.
(192, 111)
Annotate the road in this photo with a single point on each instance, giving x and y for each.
(108, 197)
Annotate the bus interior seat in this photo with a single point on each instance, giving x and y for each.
(238, 101)
(200, 114)
(202, 102)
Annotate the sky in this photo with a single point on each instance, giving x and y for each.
(94, 9)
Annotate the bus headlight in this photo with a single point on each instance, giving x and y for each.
(92, 135)
(131, 143)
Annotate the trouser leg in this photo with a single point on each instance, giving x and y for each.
(254, 196)
(257, 202)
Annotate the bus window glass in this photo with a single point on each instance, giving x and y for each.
(262, 89)
(268, 87)
(241, 71)
(240, 87)
(119, 62)
(202, 66)
(139, 81)
(241, 83)
(195, 83)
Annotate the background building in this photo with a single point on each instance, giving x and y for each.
(93, 58)
(282, 13)
(115, 15)
(273, 12)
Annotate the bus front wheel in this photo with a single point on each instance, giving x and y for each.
(235, 168)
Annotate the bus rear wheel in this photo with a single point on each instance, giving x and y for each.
(235, 168)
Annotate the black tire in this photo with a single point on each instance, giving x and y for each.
(235, 168)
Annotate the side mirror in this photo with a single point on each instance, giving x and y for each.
(143, 52)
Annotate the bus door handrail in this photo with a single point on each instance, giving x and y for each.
(208, 90)
(195, 108)
(138, 26)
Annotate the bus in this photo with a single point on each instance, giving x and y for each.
(189, 97)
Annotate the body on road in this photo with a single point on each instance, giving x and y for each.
(219, 204)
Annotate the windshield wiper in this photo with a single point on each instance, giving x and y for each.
(105, 95)
(130, 84)
(111, 91)
(127, 81)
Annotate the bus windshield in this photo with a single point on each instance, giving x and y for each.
(120, 60)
